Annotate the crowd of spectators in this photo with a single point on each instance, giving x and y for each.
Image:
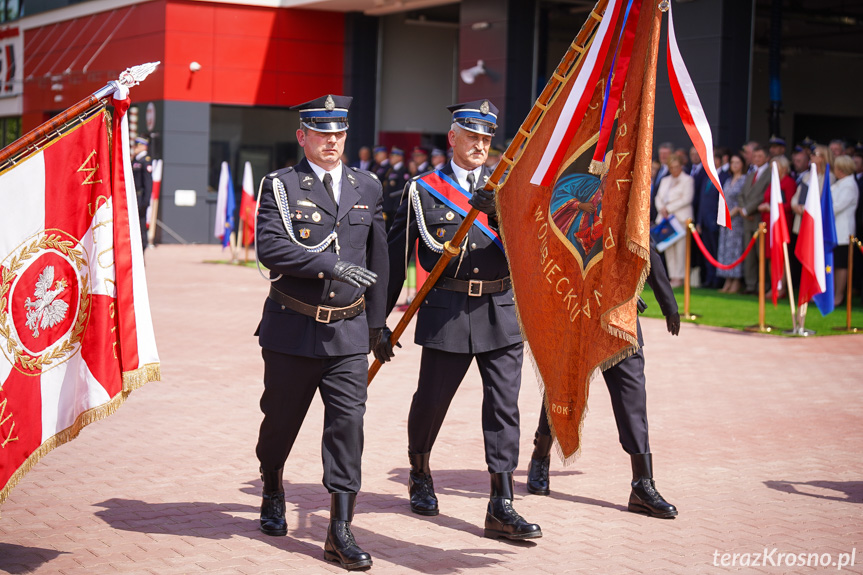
(680, 186)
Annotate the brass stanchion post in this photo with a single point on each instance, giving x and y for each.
(761, 327)
(687, 278)
(852, 243)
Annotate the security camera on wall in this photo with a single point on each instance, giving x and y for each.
(469, 76)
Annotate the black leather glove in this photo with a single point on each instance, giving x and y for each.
(353, 274)
(483, 200)
(384, 348)
(673, 323)
(374, 336)
(640, 305)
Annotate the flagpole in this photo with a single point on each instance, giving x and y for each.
(852, 243)
(761, 327)
(570, 60)
(790, 288)
(32, 140)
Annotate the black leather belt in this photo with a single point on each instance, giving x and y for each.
(474, 287)
(321, 313)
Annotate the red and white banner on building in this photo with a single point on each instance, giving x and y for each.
(76, 335)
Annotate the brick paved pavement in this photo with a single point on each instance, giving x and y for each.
(756, 439)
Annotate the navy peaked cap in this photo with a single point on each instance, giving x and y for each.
(325, 114)
(479, 116)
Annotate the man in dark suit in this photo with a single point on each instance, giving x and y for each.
(626, 385)
(469, 314)
(142, 174)
(751, 196)
(365, 161)
(320, 232)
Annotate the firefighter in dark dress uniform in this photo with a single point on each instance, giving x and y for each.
(394, 183)
(626, 385)
(469, 314)
(320, 232)
(142, 174)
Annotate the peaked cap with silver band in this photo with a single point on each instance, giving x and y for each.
(325, 114)
(479, 116)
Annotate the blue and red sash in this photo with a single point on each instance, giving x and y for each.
(447, 190)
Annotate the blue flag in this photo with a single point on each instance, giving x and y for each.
(824, 300)
(231, 205)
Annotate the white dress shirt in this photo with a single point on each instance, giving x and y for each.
(461, 176)
(336, 174)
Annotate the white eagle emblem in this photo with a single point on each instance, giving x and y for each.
(47, 311)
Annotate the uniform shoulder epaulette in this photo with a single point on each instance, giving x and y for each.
(281, 171)
(367, 173)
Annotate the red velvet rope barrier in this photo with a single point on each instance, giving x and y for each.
(713, 260)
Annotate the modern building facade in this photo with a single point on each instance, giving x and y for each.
(231, 70)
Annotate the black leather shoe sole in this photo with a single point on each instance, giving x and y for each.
(274, 532)
(533, 490)
(357, 566)
(425, 512)
(636, 508)
(495, 534)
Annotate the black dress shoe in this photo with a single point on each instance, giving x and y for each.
(644, 497)
(421, 486)
(537, 473)
(501, 520)
(273, 504)
(341, 546)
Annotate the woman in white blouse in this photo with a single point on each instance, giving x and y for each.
(845, 197)
(674, 197)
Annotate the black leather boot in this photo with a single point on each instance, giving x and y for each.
(644, 497)
(340, 545)
(273, 504)
(501, 520)
(537, 473)
(421, 486)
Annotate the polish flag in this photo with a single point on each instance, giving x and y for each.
(810, 242)
(247, 205)
(778, 234)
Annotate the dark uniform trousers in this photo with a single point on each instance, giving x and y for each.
(454, 328)
(625, 380)
(302, 355)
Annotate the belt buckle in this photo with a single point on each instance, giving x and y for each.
(474, 288)
(323, 314)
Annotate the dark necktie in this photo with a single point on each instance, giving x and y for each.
(328, 184)
(471, 182)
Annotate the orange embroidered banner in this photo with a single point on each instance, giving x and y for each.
(579, 246)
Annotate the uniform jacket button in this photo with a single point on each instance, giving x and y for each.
(473, 246)
(332, 294)
(283, 307)
(320, 275)
(476, 270)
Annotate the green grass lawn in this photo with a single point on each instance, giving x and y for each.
(739, 311)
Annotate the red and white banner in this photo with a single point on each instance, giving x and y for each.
(74, 312)
(810, 243)
(247, 205)
(778, 235)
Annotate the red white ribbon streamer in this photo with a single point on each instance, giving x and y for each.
(579, 97)
(692, 114)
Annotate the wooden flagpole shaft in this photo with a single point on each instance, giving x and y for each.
(31, 139)
(451, 248)
(790, 287)
(852, 243)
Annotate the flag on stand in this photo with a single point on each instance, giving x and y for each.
(578, 242)
(778, 235)
(824, 300)
(74, 313)
(225, 204)
(810, 243)
(247, 205)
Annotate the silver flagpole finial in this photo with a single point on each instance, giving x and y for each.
(136, 74)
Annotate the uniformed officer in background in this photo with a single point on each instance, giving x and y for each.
(626, 385)
(394, 182)
(320, 232)
(470, 313)
(142, 173)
